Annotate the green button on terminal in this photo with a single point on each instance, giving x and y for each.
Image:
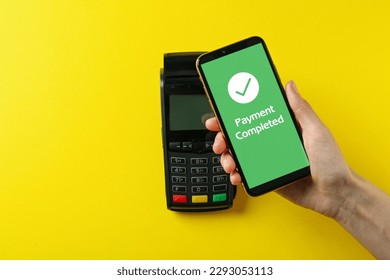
(219, 197)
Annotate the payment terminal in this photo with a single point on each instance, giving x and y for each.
(194, 178)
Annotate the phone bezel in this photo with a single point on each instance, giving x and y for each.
(227, 50)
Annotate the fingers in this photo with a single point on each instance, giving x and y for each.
(220, 147)
(229, 165)
(227, 162)
(235, 178)
(303, 112)
(219, 144)
(212, 124)
(206, 116)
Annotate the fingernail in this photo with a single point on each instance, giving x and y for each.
(294, 86)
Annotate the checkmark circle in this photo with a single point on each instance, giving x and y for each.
(243, 87)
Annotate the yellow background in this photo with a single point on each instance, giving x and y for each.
(81, 166)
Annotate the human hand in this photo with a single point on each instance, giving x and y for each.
(330, 174)
(333, 189)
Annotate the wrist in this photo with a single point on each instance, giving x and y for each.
(364, 211)
(350, 196)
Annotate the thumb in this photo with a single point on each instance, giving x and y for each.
(304, 114)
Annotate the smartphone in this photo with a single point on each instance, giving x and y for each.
(247, 97)
(194, 178)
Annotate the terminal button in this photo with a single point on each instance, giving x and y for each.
(217, 169)
(219, 178)
(199, 189)
(181, 189)
(179, 198)
(199, 170)
(178, 170)
(187, 146)
(199, 146)
(219, 197)
(199, 199)
(175, 146)
(178, 160)
(219, 188)
(195, 161)
(178, 179)
(209, 146)
(199, 180)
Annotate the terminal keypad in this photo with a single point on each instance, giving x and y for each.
(196, 175)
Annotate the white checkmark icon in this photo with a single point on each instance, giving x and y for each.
(243, 87)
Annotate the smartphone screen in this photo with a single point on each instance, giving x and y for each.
(249, 101)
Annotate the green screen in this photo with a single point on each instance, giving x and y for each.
(255, 115)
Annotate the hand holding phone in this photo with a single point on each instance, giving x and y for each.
(248, 99)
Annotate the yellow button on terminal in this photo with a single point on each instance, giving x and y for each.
(199, 199)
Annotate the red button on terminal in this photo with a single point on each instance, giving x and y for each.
(178, 198)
